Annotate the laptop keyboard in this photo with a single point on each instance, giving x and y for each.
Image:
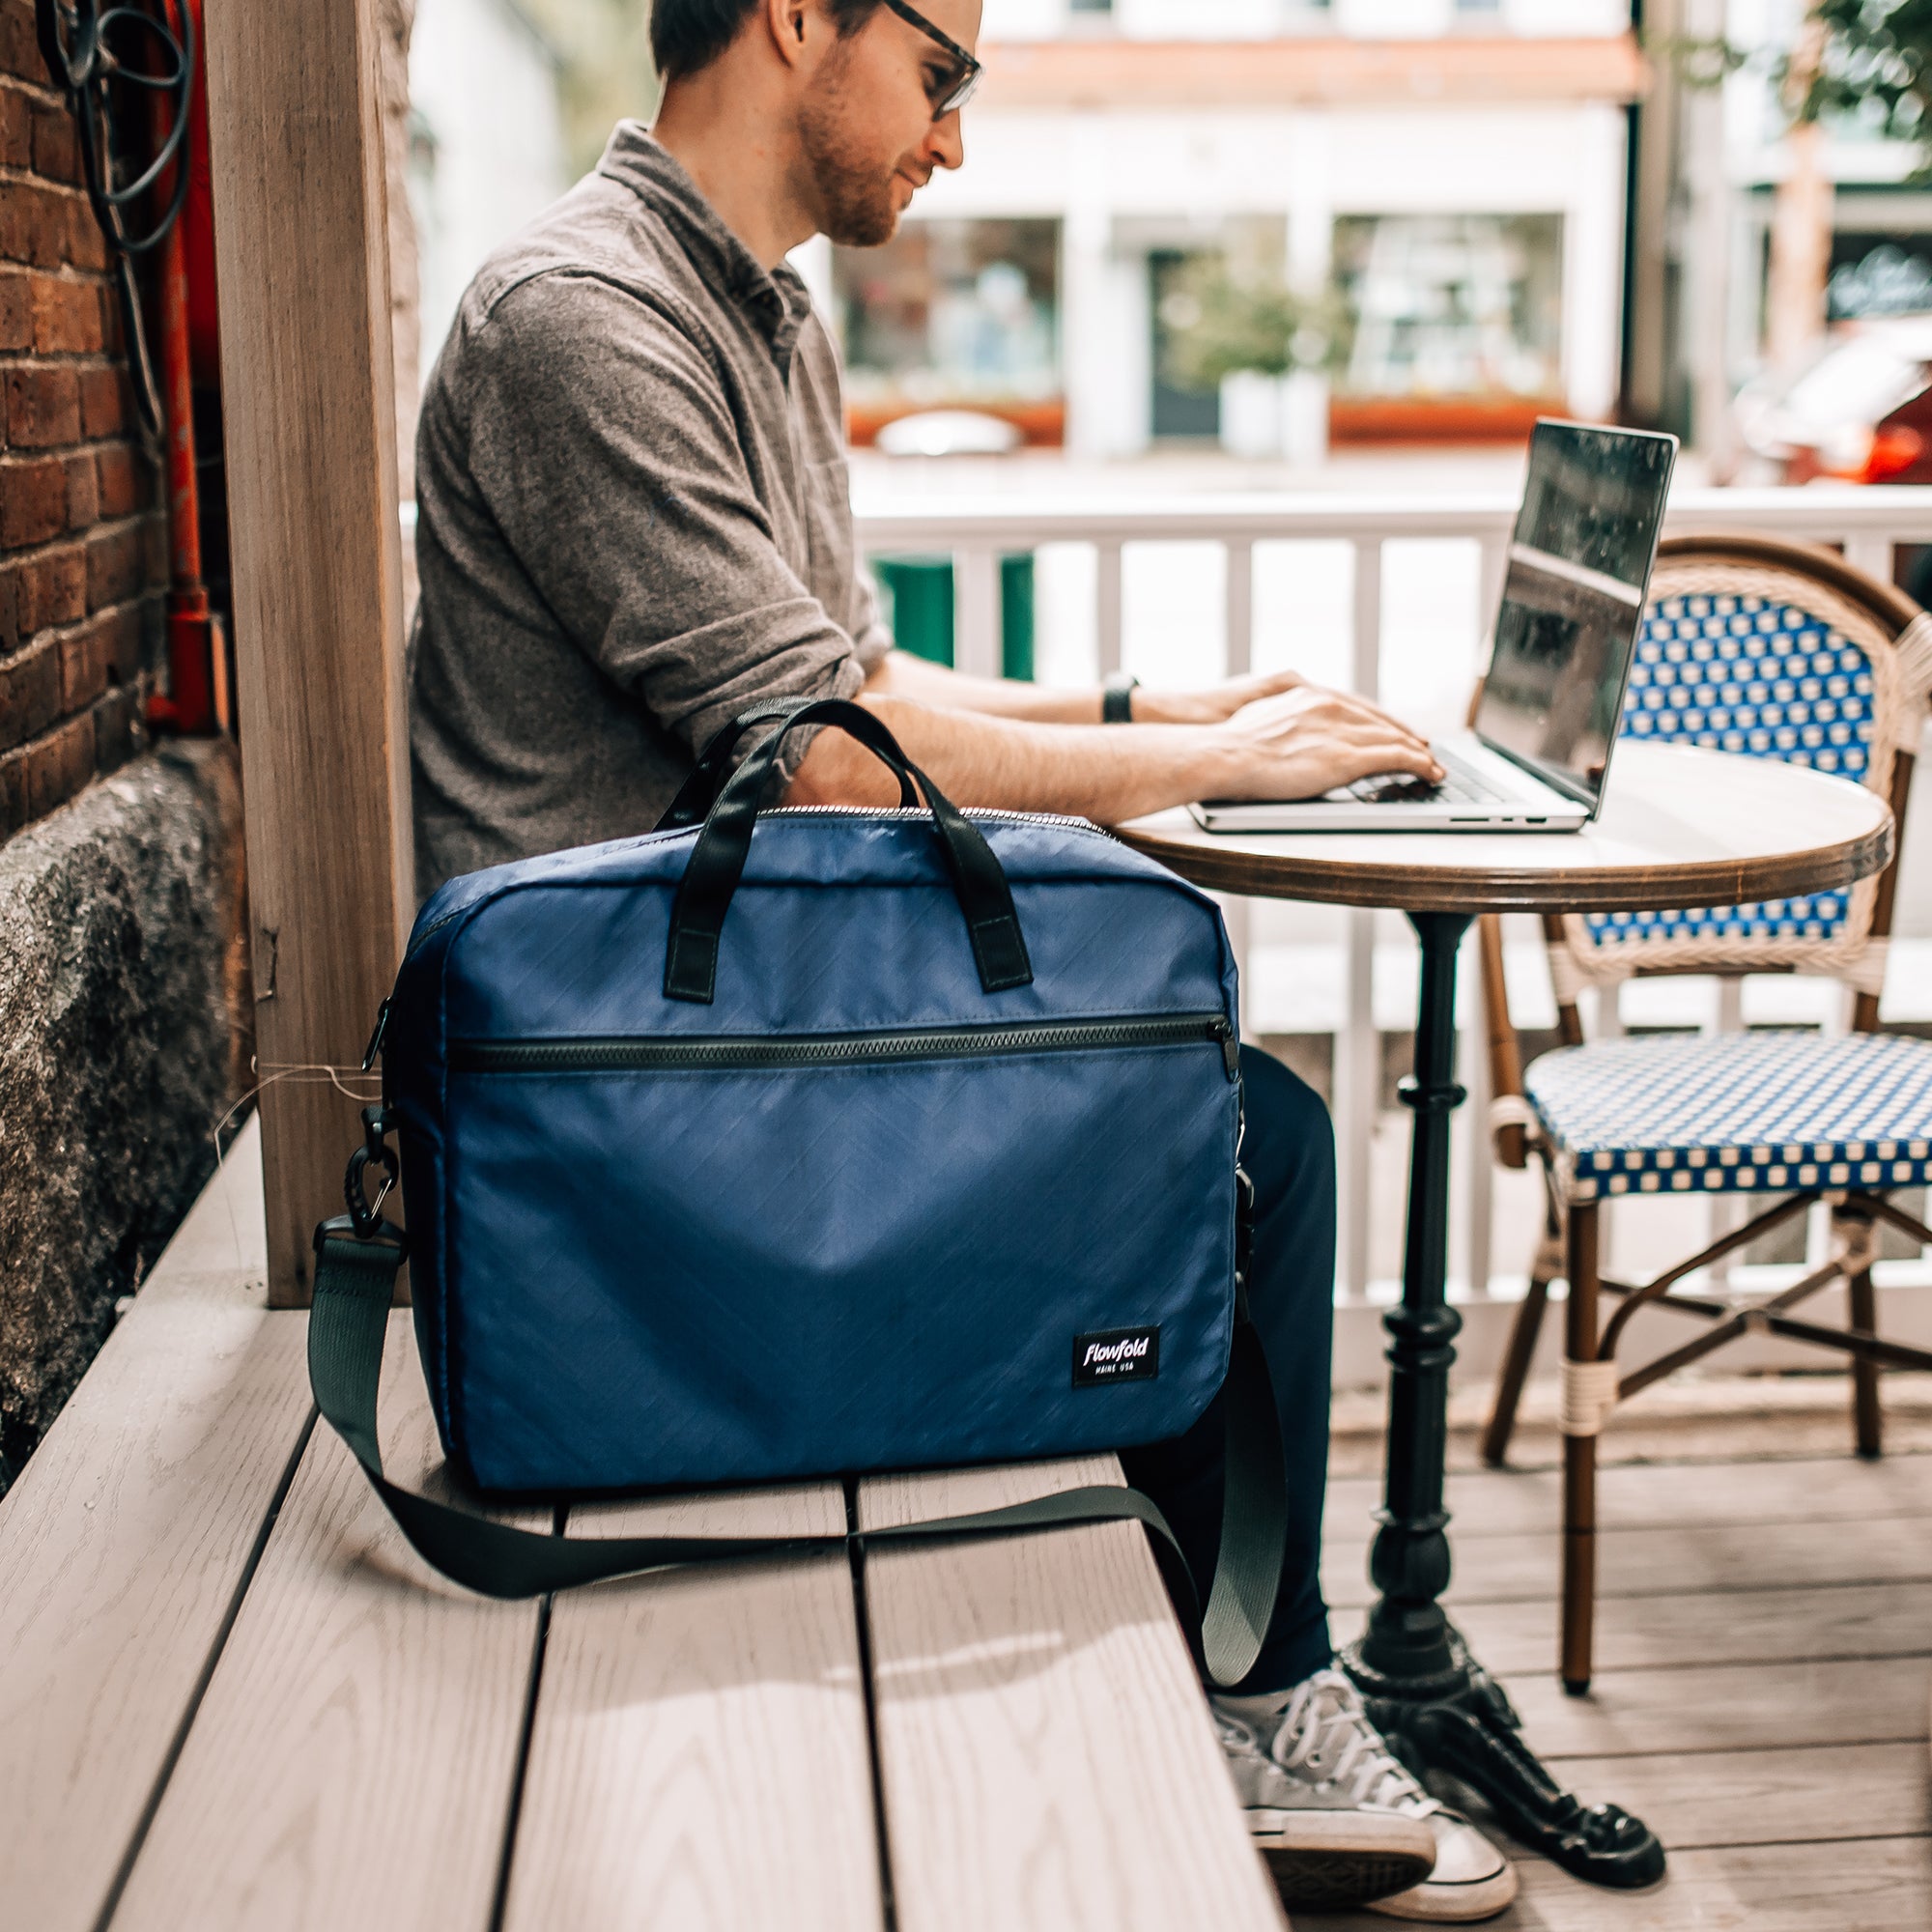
(1461, 786)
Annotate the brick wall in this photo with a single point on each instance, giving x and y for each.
(83, 545)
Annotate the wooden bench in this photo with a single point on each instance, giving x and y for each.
(231, 1696)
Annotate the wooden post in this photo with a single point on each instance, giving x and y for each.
(309, 405)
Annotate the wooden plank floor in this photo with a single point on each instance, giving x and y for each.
(1764, 1646)
(231, 1699)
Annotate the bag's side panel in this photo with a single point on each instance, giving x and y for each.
(677, 1278)
(413, 1073)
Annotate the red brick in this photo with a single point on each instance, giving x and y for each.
(83, 493)
(59, 764)
(30, 693)
(124, 481)
(56, 145)
(19, 43)
(66, 316)
(16, 128)
(12, 793)
(34, 224)
(116, 565)
(51, 589)
(16, 311)
(156, 530)
(83, 667)
(124, 642)
(82, 243)
(103, 402)
(117, 729)
(33, 502)
(42, 406)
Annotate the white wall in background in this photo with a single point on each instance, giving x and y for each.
(483, 85)
(1558, 18)
(1116, 177)
(1198, 20)
(1023, 19)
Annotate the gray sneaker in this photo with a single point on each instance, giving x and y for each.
(1337, 1817)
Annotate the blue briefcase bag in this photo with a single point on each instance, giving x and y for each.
(806, 1143)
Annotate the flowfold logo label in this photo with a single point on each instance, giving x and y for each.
(1116, 1356)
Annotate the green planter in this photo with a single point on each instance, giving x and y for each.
(917, 595)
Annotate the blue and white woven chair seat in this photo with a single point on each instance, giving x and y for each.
(1744, 1113)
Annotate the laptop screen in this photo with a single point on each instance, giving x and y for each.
(1572, 600)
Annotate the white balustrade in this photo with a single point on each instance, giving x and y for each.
(1867, 524)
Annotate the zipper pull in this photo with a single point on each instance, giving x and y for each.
(1231, 1048)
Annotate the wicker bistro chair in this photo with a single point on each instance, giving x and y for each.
(1773, 650)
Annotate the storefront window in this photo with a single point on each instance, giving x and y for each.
(953, 315)
(1464, 305)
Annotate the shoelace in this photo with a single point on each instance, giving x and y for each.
(1378, 1776)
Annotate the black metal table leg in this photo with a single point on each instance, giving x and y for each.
(1430, 1698)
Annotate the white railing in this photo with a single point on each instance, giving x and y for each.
(976, 530)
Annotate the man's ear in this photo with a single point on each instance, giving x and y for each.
(795, 27)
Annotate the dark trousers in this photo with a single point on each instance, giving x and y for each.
(1288, 1151)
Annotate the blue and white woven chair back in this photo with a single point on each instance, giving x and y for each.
(1753, 659)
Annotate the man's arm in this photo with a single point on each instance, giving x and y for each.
(900, 674)
(1295, 744)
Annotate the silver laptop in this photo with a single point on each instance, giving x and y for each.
(1574, 593)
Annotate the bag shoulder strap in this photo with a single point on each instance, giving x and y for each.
(355, 1284)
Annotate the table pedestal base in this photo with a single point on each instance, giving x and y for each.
(1460, 1722)
(1434, 1703)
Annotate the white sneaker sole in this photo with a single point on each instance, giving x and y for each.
(1463, 1904)
(1329, 1861)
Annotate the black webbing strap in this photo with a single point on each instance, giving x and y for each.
(354, 1281)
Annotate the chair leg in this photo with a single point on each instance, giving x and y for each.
(1528, 1324)
(1867, 1418)
(1580, 1461)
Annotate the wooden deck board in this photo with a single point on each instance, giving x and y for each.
(1640, 1495)
(698, 1760)
(123, 1547)
(1727, 1708)
(1669, 1559)
(353, 1761)
(1873, 1884)
(1704, 1627)
(1045, 1755)
(1706, 1799)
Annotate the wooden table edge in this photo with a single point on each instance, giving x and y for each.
(1237, 867)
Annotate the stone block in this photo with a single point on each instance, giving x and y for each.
(119, 1014)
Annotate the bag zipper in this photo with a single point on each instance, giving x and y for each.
(737, 1051)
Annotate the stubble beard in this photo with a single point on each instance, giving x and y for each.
(854, 190)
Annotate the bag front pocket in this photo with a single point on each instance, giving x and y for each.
(715, 1258)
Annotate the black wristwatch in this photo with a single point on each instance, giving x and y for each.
(1116, 704)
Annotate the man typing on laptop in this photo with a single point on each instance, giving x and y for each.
(632, 523)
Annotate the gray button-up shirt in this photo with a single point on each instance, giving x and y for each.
(632, 519)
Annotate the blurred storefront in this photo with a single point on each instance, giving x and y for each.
(1456, 170)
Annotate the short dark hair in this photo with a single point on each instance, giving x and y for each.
(686, 35)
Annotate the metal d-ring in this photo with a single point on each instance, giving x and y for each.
(367, 1214)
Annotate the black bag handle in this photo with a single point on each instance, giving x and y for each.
(354, 1282)
(717, 862)
(699, 791)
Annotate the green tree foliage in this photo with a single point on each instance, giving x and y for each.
(1873, 62)
(1220, 322)
(606, 74)
(1877, 62)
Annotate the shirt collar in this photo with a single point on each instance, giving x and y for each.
(774, 300)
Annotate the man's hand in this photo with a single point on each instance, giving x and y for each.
(1304, 741)
(1213, 706)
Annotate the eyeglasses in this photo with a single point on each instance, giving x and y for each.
(956, 91)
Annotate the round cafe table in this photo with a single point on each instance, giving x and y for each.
(1680, 827)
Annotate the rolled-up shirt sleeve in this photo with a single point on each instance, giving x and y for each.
(604, 437)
